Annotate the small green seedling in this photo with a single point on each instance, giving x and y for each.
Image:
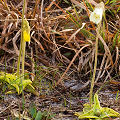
(96, 112)
(14, 83)
(39, 115)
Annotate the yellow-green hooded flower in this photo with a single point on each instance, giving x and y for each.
(26, 31)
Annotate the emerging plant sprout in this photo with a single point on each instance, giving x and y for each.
(96, 15)
(14, 83)
(96, 112)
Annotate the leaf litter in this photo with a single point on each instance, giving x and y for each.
(50, 65)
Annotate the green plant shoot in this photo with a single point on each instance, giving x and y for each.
(14, 83)
(96, 111)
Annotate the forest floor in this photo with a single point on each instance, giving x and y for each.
(59, 60)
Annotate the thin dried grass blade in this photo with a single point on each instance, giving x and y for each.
(14, 42)
(40, 45)
(108, 53)
(60, 80)
(7, 50)
(101, 66)
(83, 24)
(79, 4)
(117, 58)
(107, 65)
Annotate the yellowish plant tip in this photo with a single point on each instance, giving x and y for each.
(26, 36)
(26, 31)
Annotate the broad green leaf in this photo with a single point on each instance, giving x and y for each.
(25, 83)
(96, 111)
(31, 86)
(96, 108)
(9, 92)
(33, 111)
(39, 116)
(16, 87)
(108, 112)
(14, 83)
(86, 108)
(85, 115)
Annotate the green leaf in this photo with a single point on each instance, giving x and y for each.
(81, 115)
(112, 1)
(96, 111)
(33, 111)
(96, 108)
(25, 83)
(31, 90)
(39, 116)
(14, 83)
(108, 112)
(16, 87)
(86, 108)
(118, 9)
(74, 19)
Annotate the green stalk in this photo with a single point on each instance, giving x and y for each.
(23, 51)
(19, 58)
(18, 62)
(95, 65)
(21, 42)
(22, 78)
(23, 58)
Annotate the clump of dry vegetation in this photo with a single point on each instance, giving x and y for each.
(61, 52)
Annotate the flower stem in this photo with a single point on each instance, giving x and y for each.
(23, 43)
(18, 62)
(23, 58)
(95, 65)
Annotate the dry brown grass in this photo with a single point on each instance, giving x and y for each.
(60, 50)
(55, 35)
